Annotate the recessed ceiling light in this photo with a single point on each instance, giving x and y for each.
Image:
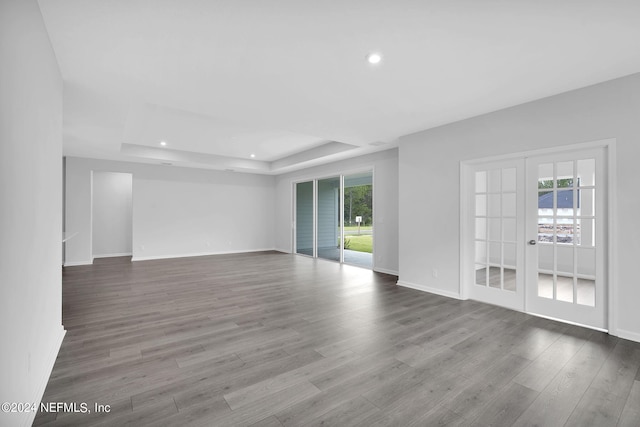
(163, 143)
(374, 58)
(253, 156)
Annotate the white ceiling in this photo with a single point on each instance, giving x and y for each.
(219, 80)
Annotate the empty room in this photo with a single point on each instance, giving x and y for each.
(360, 213)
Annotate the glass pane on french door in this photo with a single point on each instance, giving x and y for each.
(566, 212)
(304, 218)
(328, 231)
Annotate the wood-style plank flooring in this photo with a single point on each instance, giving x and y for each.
(272, 339)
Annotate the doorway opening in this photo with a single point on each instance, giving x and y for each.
(111, 214)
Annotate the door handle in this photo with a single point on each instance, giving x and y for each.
(532, 242)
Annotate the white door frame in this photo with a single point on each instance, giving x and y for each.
(467, 252)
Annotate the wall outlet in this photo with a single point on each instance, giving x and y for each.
(434, 272)
(208, 244)
(142, 247)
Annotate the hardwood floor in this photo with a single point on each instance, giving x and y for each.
(271, 339)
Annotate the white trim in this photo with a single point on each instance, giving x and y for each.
(294, 216)
(42, 384)
(77, 263)
(341, 219)
(111, 255)
(386, 271)
(627, 335)
(464, 284)
(195, 254)
(333, 174)
(612, 232)
(284, 251)
(428, 289)
(601, 143)
(314, 219)
(374, 253)
(91, 216)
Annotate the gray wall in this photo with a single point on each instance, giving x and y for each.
(30, 207)
(430, 181)
(176, 211)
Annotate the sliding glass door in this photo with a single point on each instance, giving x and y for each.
(323, 206)
(304, 218)
(358, 219)
(328, 214)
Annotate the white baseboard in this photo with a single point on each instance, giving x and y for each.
(429, 289)
(386, 271)
(112, 255)
(628, 335)
(286, 251)
(76, 263)
(195, 254)
(42, 384)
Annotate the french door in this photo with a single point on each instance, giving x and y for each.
(498, 251)
(565, 237)
(538, 235)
